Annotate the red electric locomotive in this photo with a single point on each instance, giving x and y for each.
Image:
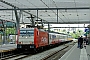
(32, 38)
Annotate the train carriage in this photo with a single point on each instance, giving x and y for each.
(55, 38)
(37, 39)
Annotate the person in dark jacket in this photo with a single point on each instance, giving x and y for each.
(78, 42)
(81, 42)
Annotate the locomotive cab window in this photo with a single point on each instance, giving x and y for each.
(26, 33)
(30, 33)
(22, 33)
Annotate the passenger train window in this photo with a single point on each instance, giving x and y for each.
(30, 33)
(53, 36)
(22, 32)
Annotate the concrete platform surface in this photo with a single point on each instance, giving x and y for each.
(7, 47)
(77, 54)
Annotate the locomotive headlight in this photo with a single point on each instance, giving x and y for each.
(26, 37)
(31, 46)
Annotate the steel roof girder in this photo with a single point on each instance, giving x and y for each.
(46, 8)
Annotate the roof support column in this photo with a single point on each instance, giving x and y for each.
(42, 23)
(57, 15)
(17, 23)
(48, 30)
(17, 20)
(48, 27)
(37, 17)
(4, 33)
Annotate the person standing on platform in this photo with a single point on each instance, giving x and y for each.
(81, 42)
(84, 40)
(78, 42)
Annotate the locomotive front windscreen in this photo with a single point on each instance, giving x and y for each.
(26, 36)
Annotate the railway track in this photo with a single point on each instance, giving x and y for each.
(58, 54)
(52, 54)
(19, 57)
(42, 56)
(5, 57)
(14, 55)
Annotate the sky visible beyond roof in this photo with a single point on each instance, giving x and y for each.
(68, 25)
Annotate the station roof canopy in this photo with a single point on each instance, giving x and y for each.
(52, 11)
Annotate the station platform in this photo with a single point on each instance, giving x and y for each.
(7, 47)
(77, 54)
